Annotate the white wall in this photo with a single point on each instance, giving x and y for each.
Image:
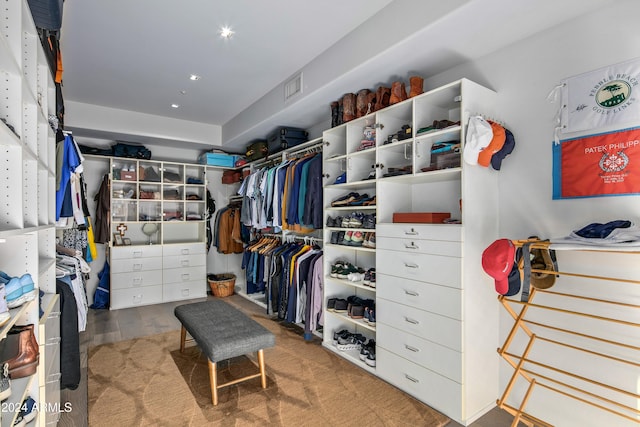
(523, 74)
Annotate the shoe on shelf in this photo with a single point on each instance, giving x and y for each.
(29, 410)
(372, 280)
(369, 222)
(5, 382)
(331, 304)
(337, 335)
(28, 287)
(358, 201)
(371, 357)
(367, 348)
(357, 238)
(13, 289)
(340, 305)
(334, 237)
(355, 220)
(367, 276)
(346, 240)
(356, 312)
(4, 310)
(370, 240)
(330, 222)
(344, 200)
(352, 342)
(371, 201)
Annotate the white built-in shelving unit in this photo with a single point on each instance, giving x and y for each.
(27, 198)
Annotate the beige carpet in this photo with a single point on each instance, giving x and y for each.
(148, 382)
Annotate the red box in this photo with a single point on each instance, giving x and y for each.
(421, 217)
(128, 175)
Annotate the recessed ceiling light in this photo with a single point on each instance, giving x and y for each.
(182, 92)
(226, 33)
(194, 77)
(175, 105)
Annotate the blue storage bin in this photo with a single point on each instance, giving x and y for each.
(218, 159)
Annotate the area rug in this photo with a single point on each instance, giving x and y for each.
(148, 382)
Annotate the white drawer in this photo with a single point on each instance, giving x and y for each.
(184, 249)
(128, 252)
(425, 296)
(186, 290)
(52, 358)
(420, 246)
(136, 264)
(437, 358)
(431, 388)
(187, 274)
(138, 296)
(441, 270)
(433, 327)
(136, 279)
(178, 261)
(52, 397)
(50, 326)
(450, 232)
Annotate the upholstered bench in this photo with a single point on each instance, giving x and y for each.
(222, 332)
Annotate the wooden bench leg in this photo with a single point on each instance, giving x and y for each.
(213, 379)
(263, 374)
(183, 337)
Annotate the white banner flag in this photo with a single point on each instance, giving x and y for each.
(604, 97)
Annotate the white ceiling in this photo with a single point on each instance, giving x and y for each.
(138, 55)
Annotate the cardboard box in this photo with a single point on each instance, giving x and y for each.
(421, 217)
(128, 175)
(218, 159)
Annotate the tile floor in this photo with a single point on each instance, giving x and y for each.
(105, 326)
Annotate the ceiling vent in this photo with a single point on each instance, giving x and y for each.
(293, 87)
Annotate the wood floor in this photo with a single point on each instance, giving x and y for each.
(105, 326)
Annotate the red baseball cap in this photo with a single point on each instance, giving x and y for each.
(497, 261)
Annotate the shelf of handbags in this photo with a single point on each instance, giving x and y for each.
(170, 195)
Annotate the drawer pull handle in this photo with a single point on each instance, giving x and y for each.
(185, 251)
(408, 347)
(184, 263)
(137, 280)
(185, 292)
(411, 293)
(137, 266)
(185, 276)
(406, 264)
(411, 246)
(410, 378)
(412, 321)
(137, 254)
(412, 232)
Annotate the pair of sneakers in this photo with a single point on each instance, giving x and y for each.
(348, 341)
(28, 412)
(369, 240)
(368, 353)
(18, 290)
(352, 238)
(369, 278)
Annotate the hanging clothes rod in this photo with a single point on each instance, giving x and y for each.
(316, 148)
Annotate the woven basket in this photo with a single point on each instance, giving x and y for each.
(222, 285)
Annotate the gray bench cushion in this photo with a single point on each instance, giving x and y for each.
(222, 331)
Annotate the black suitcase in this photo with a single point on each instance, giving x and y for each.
(286, 137)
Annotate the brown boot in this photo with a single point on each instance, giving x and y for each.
(20, 353)
(339, 120)
(398, 93)
(349, 105)
(382, 98)
(361, 102)
(371, 102)
(334, 114)
(416, 86)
